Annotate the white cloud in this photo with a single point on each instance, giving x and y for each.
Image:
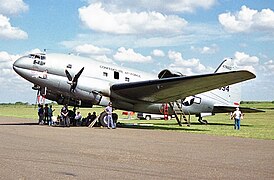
(33, 51)
(269, 67)
(90, 49)
(171, 6)
(9, 7)
(98, 19)
(129, 55)
(245, 61)
(184, 5)
(9, 32)
(14, 88)
(158, 53)
(6, 61)
(247, 20)
(212, 49)
(102, 58)
(186, 66)
(7, 74)
(4, 56)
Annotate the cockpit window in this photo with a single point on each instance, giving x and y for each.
(37, 56)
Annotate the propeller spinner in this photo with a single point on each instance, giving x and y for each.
(73, 81)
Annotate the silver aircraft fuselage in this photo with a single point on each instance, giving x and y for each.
(94, 85)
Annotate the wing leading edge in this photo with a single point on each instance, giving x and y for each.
(171, 89)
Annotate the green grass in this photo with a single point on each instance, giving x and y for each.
(259, 105)
(254, 125)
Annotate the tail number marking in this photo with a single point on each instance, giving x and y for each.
(224, 88)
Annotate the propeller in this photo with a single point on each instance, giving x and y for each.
(73, 81)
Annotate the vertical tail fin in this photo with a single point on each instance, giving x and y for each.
(232, 93)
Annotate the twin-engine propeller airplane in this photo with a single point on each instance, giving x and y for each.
(83, 82)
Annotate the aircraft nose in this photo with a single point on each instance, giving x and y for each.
(20, 64)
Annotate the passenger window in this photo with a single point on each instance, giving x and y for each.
(105, 74)
(116, 75)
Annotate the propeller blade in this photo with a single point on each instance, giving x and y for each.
(68, 75)
(73, 82)
(78, 74)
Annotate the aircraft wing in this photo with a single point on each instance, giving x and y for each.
(225, 109)
(173, 88)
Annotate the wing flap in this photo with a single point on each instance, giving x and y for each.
(171, 89)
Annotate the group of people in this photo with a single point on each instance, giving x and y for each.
(71, 118)
(45, 114)
(66, 118)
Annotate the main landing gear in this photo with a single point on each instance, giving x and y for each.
(103, 118)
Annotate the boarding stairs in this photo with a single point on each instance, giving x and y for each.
(178, 111)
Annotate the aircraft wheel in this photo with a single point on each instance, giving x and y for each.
(148, 117)
(104, 121)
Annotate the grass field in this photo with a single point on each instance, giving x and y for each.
(254, 125)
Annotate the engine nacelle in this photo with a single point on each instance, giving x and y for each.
(167, 74)
(91, 84)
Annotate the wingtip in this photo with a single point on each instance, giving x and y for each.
(251, 74)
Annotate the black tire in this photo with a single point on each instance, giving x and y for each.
(103, 119)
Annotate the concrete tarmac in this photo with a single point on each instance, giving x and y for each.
(30, 151)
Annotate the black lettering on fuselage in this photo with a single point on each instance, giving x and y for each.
(39, 62)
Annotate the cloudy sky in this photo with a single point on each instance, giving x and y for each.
(191, 37)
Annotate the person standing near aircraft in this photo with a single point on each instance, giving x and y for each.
(46, 114)
(78, 118)
(109, 115)
(64, 114)
(237, 115)
(40, 114)
(50, 113)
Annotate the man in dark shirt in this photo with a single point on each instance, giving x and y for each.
(46, 114)
(64, 114)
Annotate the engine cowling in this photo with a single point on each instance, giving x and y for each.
(167, 74)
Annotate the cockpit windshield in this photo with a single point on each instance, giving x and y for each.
(40, 56)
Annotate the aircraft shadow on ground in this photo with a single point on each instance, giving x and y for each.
(155, 127)
(218, 124)
(167, 126)
(18, 124)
